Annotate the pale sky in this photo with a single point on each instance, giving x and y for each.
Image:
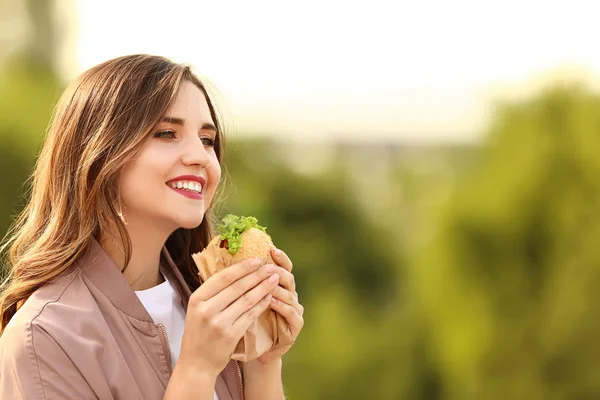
(418, 70)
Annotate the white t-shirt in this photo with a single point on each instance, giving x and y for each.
(164, 306)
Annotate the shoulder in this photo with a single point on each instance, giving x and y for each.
(26, 342)
(35, 362)
(49, 308)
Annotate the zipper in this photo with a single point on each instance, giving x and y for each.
(239, 371)
(166, 339)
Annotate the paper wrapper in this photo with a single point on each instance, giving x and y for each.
(268, 331)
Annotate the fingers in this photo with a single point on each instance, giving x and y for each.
(282, 259)
(289, 298)
(242, 324)
(291, 315)
(238, 288)
(286, 279)
(248, 309)
(248, 300)
(226, 277)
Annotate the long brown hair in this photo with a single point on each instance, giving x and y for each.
(100, 123)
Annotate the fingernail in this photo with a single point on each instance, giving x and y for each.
(268, 297)
(277, 252)
(273, 300)
(274, 278)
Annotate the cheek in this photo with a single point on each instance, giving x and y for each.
(128, 189)
(214, 176)
(141, 181)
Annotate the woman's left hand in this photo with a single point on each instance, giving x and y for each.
(285, 302)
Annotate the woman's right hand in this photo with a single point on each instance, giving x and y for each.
(221, 310)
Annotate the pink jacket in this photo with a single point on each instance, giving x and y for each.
(87, 336)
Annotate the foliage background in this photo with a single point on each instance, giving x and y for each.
(427, 272)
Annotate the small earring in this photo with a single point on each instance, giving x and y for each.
(120, 212)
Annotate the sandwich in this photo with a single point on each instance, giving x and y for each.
(238, 239)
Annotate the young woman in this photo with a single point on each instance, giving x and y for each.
(103, 299)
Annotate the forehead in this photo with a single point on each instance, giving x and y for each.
(191, 105)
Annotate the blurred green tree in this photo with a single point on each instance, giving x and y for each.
(508, 284)
(360, 339)
(28, 91)
(29, 88)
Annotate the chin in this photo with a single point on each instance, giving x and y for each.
(190, 223)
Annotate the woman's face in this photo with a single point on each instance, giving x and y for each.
(173, 180)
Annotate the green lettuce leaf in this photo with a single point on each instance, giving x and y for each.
(232, 227)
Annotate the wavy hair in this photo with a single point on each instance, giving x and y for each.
(100, 123)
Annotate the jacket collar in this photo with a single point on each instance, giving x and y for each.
(102, 271)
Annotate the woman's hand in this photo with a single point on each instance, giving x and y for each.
(221, 310)
(262, 376)
(285, 302)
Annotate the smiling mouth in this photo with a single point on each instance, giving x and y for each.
(193, 187)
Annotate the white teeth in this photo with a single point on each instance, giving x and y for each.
(191, 186)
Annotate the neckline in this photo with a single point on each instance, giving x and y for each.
(157, 288)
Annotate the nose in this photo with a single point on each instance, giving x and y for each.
(195, 153)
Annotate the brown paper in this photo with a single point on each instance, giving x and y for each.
(270, 329)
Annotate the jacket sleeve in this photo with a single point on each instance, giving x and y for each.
(34, 367)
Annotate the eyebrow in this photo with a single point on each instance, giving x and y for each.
(180, 121)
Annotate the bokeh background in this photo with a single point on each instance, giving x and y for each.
(431, 167)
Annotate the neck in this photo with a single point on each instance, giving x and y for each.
(142, 271)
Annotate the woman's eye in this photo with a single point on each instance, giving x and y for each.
(165, 134)
(208, 141)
